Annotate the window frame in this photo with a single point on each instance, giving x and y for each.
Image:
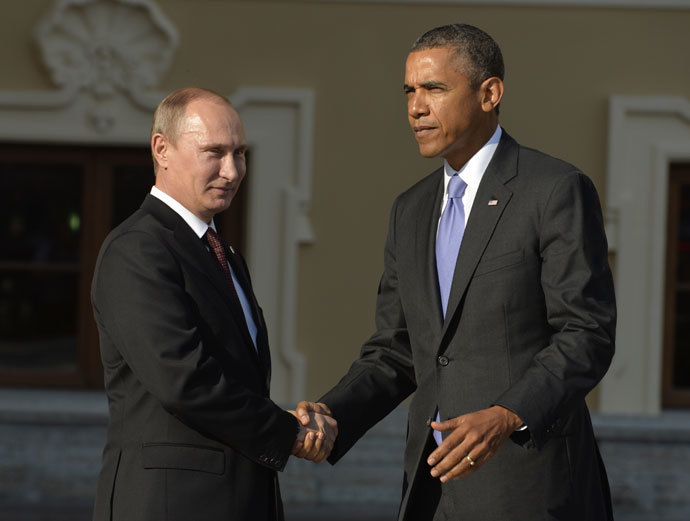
(98, 163)
(673, 397)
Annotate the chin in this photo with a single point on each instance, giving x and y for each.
(221, 204)
(224, 206)
(428, 153)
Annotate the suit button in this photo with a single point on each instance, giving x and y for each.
(428, 422)
(442, 360)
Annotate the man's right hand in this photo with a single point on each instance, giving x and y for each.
(318, 431)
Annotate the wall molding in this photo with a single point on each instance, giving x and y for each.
(646, 134)
(280, 127)
(590, 4)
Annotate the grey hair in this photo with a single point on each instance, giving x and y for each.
(168, 117)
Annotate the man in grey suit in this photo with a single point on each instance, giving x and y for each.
(496, 308)
(193, 433)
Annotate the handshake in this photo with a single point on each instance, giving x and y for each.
(317, 433)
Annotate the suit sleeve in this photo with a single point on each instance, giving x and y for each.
(383, 375)
(141, 305)
(579, 297)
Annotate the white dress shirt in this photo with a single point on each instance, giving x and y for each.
(471, 172)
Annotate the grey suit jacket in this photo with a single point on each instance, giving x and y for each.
(192, 431)
(530, 326)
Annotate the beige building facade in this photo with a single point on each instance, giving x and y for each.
(602, 84)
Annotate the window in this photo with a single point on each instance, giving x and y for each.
(676, 378)
(57, 204)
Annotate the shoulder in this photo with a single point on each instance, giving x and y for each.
(139, 239)
(428, 183)
(423, 190)
(137, 254)
(549, 184)
(541, 173)
(515, 163)
(539, 163)
(137, 227)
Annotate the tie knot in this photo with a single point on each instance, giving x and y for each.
(456, 187)
(212, 239)
(211, 236)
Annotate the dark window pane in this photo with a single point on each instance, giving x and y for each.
(684, 235)
(131, 183)
(681, 362)
(40, 212)
(38, 319)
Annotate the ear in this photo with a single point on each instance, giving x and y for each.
(159, 149)
(491, 91)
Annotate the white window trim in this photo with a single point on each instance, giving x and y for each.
(646, 134)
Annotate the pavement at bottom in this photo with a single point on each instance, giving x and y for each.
(292, 513)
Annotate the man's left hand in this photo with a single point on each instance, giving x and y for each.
(473, 440)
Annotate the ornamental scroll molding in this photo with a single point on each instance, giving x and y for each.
(104, 57)
(106, 46)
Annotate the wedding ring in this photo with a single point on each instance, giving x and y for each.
(470, 460)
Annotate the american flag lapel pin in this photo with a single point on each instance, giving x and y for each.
(493, 202)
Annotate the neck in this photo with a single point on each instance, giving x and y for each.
(464, 152)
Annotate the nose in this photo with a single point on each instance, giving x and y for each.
(233, 168)
(417, 105)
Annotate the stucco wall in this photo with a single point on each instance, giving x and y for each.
(561, 66)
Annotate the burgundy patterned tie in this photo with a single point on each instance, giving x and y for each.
(216, 246)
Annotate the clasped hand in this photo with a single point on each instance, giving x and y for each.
(317, 434)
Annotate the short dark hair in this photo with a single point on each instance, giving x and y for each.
(479, 55)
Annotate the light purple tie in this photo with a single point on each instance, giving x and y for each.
(448, 239)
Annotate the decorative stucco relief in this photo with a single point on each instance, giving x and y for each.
(105, 57)
(105, 46)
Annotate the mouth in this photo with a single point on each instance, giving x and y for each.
(223, 189)
(420, 131)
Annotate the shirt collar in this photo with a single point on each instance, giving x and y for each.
(196, 224)
(473, 171)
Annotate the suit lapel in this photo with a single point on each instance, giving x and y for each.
(194, 250)
(242, 274)
(483, 220)
(427, 225)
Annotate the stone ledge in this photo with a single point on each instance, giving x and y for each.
(667, 427)
(52, 407)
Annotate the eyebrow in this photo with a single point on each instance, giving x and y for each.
(427, 85)
(222, 146)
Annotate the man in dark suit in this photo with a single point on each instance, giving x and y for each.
(496, 307)
(193, 433)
